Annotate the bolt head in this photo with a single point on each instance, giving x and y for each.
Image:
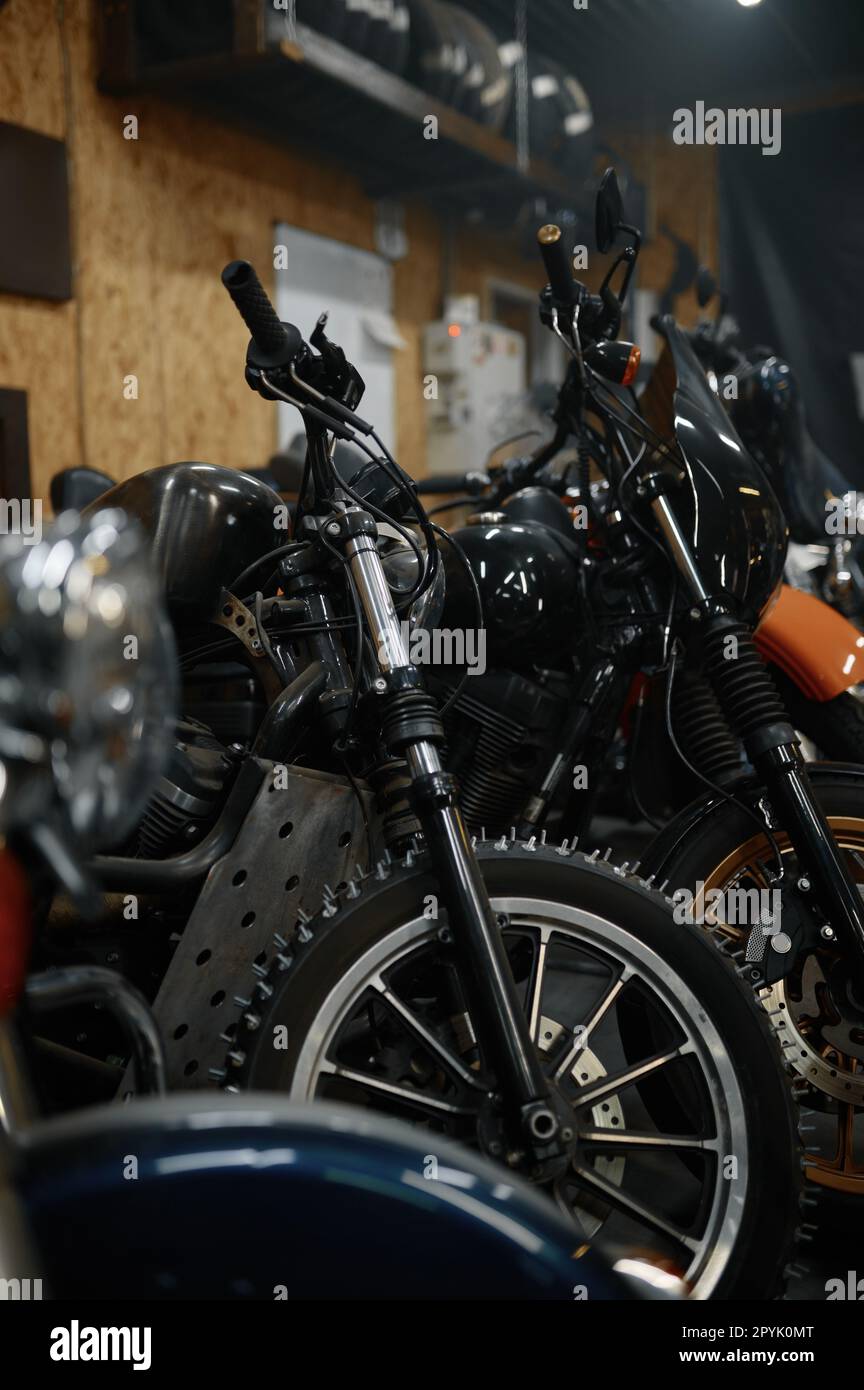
(827, 933)
(781, 942)
(804, 884)
(380, 685)
(333, 528)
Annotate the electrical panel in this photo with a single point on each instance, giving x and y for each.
(473, 375)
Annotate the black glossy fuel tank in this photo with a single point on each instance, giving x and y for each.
(205, 523)
(527, 577)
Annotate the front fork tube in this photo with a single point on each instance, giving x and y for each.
(772, 749)
(413, 729)
(790, 793)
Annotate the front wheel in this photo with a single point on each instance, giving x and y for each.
(632, 1016)
(817, 1010)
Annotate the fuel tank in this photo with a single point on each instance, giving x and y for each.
(205, 524)
(527, 574)
(236, 1199)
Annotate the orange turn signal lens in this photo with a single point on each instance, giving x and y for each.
(633, 360)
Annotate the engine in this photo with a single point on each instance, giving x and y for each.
(190, 794)
(498, 757)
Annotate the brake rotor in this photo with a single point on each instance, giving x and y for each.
(608, 1114)
(819, 1024)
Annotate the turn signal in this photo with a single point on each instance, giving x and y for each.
(618, 362)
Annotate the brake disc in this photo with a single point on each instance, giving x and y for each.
(608, 1114)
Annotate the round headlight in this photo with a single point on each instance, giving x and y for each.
(402, 571)
(88, 669)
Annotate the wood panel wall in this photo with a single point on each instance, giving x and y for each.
(154, 221)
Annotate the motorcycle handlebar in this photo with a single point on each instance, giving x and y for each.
(557, 263)
(594, 310)
(276, 339)
(473, 482)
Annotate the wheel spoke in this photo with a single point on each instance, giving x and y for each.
(587, 1178)
(636, 1139)
(416, 1026)
(601, 1008)
(609, 1085)
(389, 1088)
(537, 983)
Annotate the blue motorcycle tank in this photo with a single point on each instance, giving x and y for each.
(195, 1197)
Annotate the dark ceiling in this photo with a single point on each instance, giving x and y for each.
(644, 58)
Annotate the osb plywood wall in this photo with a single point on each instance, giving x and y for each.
(154, 221)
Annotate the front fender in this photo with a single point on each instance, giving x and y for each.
(689, 824)
(811, 643)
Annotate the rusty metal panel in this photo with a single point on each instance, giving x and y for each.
(296, 840)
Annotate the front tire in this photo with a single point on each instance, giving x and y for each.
(363, 1005)
(835, 728)
(723, 850)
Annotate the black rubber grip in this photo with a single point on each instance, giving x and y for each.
(442, 483)
(253, 303)
(556, 259)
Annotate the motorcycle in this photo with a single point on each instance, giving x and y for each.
(823, 560)
(524, 999)
(646, 618)
(814, 651)
(184, 1196)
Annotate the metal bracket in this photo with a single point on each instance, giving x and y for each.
(236, 618)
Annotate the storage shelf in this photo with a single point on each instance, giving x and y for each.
(313, 92)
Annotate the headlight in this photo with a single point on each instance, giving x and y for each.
(88, 671)
(402, 572)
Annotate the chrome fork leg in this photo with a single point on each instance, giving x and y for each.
(502, 1024)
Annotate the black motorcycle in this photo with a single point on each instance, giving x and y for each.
(640, 618)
